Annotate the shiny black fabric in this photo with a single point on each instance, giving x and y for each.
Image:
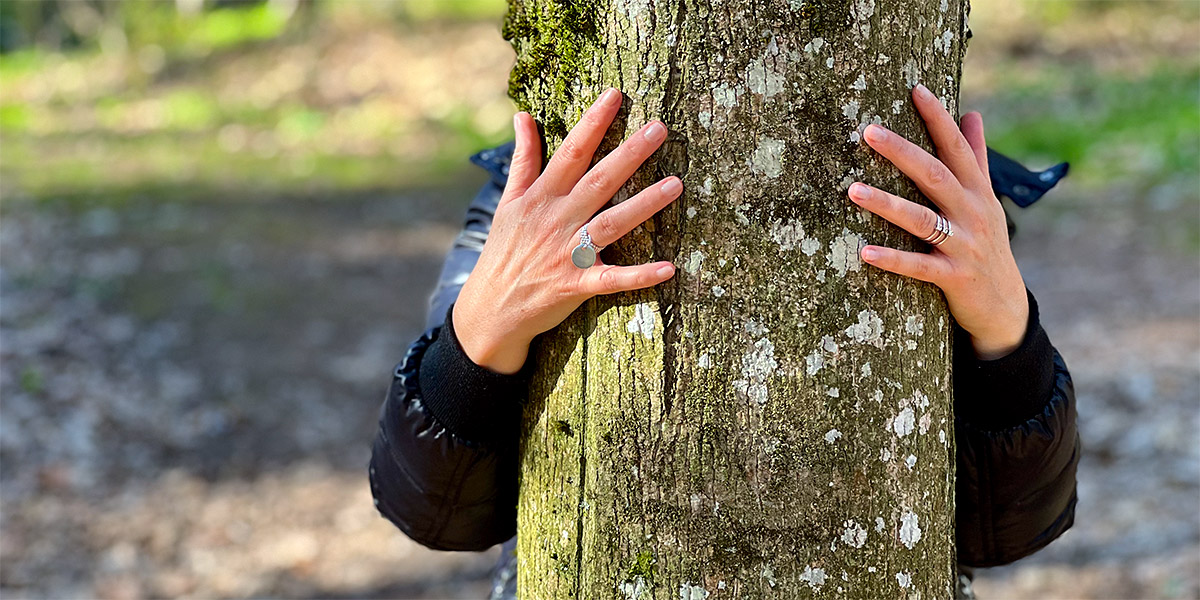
(450, 490)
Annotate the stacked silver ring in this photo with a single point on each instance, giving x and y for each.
(940, 232)
(584, 255)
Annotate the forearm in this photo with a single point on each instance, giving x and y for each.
(1017, 447)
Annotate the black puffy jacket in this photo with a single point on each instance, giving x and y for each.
(444, 465)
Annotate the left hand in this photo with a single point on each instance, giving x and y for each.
(975, 267)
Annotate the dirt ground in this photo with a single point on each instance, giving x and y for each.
(189, 390)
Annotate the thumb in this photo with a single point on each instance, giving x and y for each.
(527, 157)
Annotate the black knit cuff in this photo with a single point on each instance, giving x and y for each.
(472, 402)
(998, 394)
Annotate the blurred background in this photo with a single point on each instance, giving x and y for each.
(220, 220)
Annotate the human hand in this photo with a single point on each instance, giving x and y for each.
(975, 267)
(524, 282)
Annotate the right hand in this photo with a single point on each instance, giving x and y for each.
(524, 282)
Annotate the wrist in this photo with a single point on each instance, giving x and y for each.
(1006, 335)
(500, 352)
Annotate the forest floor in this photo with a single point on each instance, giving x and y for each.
(187, 401)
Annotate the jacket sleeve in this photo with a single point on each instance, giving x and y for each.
(1018, 449)
(443, 466)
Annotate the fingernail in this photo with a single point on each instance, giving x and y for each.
(923, 92)
(859, 191)
(665, 271)
(875, 133)
(672, 187)
(609, 96)
(656, 132)
(869, 253)
(517, 121)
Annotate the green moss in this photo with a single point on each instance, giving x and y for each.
(551, 39)
(644, 566)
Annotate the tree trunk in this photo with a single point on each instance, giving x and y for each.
(775, 421)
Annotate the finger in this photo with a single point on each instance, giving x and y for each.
(527, 157)
(926, 267)
(574, 156)
(609, 279)
(934, 179)
(910, 216)
(610, 225)
(972, 128)
(952, 147)
(603, 181)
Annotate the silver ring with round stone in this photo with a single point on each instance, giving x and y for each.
(584, 255)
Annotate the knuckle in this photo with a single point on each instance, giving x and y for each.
(602, 228)
(926, 222)
(608, 280)
(570, 151)
(937, 174)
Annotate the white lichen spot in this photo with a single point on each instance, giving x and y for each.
(923, 424)
(942, 436)
(897, 106)
(809, 246)
(944, 5)
(871, 569)
(671, 39)
(910, 345)
(854, 535)
(833, 392)
(814, 577)
(762, 74)
(724, 95)
(865, 369)
(757, 365)
(754, 327)
(642, 321)
(829, 62)
(910, 462)
(920, 399)
(832, 435)
(633, 590)
(910, 73)
(705, 118)
(944, 42)
(769, 574)
(788, 234)
(854, 137)
(904, 579)
(721, 584)
(879, 525)
(904, 422)
(768, 158)
(814, 45)
(915, 325)
(910, 529)
(828, 344)
(705, 361)
(882, 59)
(707, 188)
(718, 291)
(868, 329)
(693, 262)
(850, 110)
(885, 455)
(860, 83)
(689, 591)
(877, 396)
(843, 253)
(813, 363)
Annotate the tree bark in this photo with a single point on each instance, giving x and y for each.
(775, 421)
